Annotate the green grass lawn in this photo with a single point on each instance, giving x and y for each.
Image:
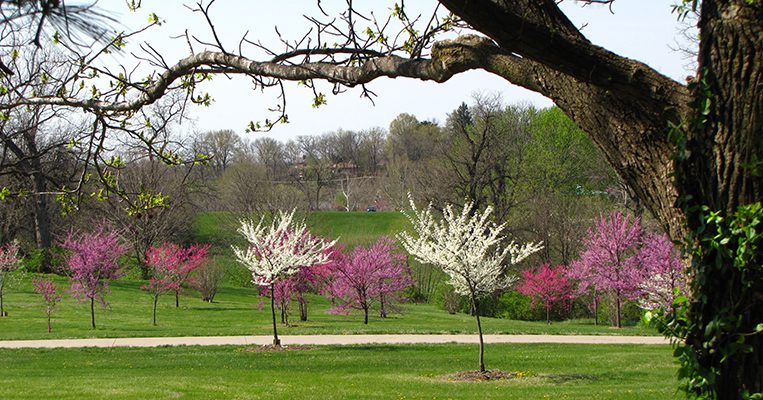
(338, 372)
(236, 312)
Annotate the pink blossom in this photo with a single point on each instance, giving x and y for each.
(9, 263)
(548, 286)
(368, 275)
(92, 263)
(50, 296)
(608, 264)
(663, 275)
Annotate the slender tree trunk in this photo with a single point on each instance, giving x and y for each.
(2, 304)
(50, 328)
(302, 307)
(156, 300)
(365, 314)
(382, 310)
(595, 310)
(618, 310)
(92, 312)
(284, 312)
(479, 330)
(276, 340)
(177, 298)
(548, 314)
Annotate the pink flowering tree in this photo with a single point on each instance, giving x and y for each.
(50, 296)
(9, 264)
(547, 286)
(663, 275)
(172, 266)
(368, 275)
(92, 263)
(608, 262)
(277, 251)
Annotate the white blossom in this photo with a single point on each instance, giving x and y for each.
(277, 250)
(467, 247)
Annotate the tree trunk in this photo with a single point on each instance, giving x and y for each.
(382, 310)
(302, 307)
(42, 223)
(479, 330)
(42, 229)
(721, 170)
(50, 327)
(177, 298)
(2, 304)
(92, 312)
(284, 313)
(595, 310)
(276, 340)
(365, 314)
(156, 300)
(618, 311)
(548, 314)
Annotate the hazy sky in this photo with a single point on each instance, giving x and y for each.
(644, 30)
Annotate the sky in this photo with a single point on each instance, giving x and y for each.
(643, 30)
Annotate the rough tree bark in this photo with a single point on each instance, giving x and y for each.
(722, 170)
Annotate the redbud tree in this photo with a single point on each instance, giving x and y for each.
(92, 263)
(368, 275)
(172, 266)
(663, 275)
(608, 262)
(50, 296)
(9, 264)
(277, 251)
(469, 248)
(547, 286)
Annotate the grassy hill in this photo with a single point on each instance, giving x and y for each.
(352, 228)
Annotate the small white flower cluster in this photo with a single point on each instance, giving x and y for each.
(279, 249)
(467, 247)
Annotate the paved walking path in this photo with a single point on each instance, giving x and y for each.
(327, 340)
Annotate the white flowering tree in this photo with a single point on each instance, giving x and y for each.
(278, 250)
(469, 248)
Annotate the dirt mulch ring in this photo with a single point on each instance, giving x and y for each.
(478, 376)
(272, 349)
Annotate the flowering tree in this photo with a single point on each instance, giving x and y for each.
(368, 275)
(92, 263)
(9, 263)
(172, 266)
(47, 289)
(469, 249)
(548, 286)
(608, 262)
(277, 251)
(663, 275)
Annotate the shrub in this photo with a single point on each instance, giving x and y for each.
(208, 279)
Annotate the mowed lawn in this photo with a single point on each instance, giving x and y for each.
(619, 372)
(240, 311)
